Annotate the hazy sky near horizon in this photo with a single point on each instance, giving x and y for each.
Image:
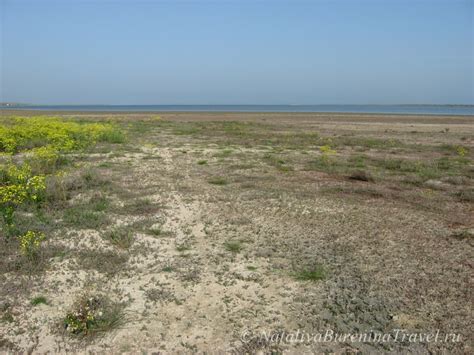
(237, 52)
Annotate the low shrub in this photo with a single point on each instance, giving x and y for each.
(92, 315)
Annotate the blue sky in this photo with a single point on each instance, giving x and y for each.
(237, 52)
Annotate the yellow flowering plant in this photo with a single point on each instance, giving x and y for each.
(461, 151)
(18, 186)
(32, 148)
(326, 149)
(30, 243)
(43, 159)
(20, 133)
(40, 141)
(326, 152)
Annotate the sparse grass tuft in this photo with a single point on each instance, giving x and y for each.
(357, 161)
(277, 162)
(156, 231)
(159, 232)
(466, 195)
(84, 217)
(315, 273)
(113, 136)
(463, 235)
(140, 206)
(6, 315)
(368, 142)
(39, 300)
(223, 153)
(233, 247)
(99, 203)
(93, 178)
(159, 294)
(182, 247)
(186, 130)
(121, 237)
(202, 162)
(217, 181)
(107, 262)
(319, 164)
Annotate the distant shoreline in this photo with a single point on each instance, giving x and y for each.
(410, 109)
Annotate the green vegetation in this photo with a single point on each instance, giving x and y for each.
(466, 195)
(315, 273)
(30, 243)
(18, 187)
(101, 216)
(99, 203)
(277, 162)
(367, 142)
(39, 300)
(91, 315)
(424, 169)
(106, 262)
(155, 231)
(33, 150)
(223, 153)
(357, 161)
(218, 181)
(233, 247)
(21, 134)
(121, 237)
(140, 206)
(84, 217)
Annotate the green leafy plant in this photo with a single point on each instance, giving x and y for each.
(91, 315)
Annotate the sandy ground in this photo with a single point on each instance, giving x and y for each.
(390, 259)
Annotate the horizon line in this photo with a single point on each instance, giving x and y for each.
(8, 103)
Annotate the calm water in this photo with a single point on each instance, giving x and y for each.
(394, 109)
